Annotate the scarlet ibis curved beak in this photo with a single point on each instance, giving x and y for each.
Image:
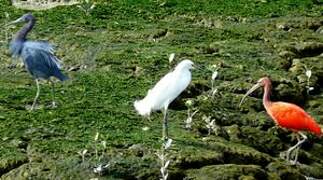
(256, 86)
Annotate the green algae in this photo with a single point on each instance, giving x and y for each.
(228, 171)
(115, 55)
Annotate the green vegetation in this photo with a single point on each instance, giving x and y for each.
(118, 51)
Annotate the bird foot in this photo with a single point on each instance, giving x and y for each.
(294, 162)
(53, 105)
(284, 155)
(33, 107)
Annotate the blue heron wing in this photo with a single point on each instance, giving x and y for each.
(15, 48)
(40, 60)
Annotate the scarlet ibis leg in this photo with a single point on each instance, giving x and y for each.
(296, 148)
(37, 94)
(296, 151)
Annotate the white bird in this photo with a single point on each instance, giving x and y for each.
(165, 91)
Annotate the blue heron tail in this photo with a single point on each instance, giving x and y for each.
(59, 75)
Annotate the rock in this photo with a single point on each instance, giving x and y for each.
(158, 34)
(9, 163)
(233, 132)
(19, 143)
(137, 149)
(309, 49)
(227, 171)
(290, 91)
(268, 143)
(195, 157)
(283, 26)
(319, 30)
(285, 171)
(315, 170)
(287, 54)
(237, 153)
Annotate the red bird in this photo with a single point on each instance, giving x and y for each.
(287, 115)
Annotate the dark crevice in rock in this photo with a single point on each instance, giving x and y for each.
(309, 49)
(237, 158)
(159, 34)
(13, 165)
(224, 155)
(192, 91)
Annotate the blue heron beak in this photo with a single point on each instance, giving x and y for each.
(19, 20)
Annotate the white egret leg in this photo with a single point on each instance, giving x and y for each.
(53, 94)
(296, 147)
(37, 95)
(165, 124)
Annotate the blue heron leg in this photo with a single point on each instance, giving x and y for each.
(37, 95)
(53, 94)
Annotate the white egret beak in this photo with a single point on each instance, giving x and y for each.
(197, 67)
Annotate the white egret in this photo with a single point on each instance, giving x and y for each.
(165, 91)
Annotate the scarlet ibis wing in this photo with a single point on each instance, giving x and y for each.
(292, 117)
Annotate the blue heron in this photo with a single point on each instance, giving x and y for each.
(38, 56)
(165, 91)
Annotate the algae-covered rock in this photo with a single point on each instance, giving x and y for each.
(233, 132)
(227, 171)
(195, 157)
(313, 170)
(266, 142)
(285, 171)
(9, 163)
(237, 153)
(115, 52)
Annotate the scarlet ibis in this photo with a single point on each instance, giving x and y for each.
(287, 115)
(165, 91)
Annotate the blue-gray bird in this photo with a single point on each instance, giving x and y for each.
(38, 56)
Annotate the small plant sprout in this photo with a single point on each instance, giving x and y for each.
(100, 169)
(163, 159)
(215, 74)
(308, 73)
(146, 128)
(189, 103)
(168, 143)
(82, 154)
(189, 120)
(86, 6)
(104, 144)
(210, 124)
(171, 58)
(7, 27)
(96, 137)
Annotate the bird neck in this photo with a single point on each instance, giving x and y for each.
(21, 35)
(266, 98)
